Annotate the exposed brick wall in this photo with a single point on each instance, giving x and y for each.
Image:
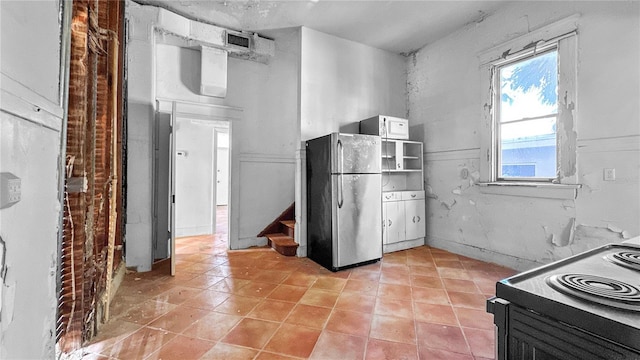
(90, 130)
(73, 257)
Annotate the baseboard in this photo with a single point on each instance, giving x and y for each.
(302, 251)
(101, 307)
(118, 276)
(482, 254)
(245, 243)
(403, 245)
(193, 231)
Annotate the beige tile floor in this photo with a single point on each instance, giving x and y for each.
(422, 303)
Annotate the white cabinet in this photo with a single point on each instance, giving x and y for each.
(404, 224)
(415, 226)
(403, 201)
(393, 226)
(401, 165)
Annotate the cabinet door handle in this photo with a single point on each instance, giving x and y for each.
(414, 219)
(390, 223)
(418, 218)
(413, 195)
(398, 165)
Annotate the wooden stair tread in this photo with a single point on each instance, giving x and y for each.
(282, 243)
(288, 223)
(282, 239)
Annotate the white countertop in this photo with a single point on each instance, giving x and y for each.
(635, 240)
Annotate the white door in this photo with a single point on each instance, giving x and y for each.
(222, 169)
(162, 198)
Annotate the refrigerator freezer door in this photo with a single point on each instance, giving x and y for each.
(357, 219)
(355, 154)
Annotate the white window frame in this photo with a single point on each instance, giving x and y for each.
(563, 36)
(497, 151)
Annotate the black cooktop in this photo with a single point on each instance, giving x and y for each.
(597, 291)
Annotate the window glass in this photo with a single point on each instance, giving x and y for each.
(527, 117)
(530, 148)
(529, 88)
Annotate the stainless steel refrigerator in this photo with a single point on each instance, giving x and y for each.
(344, 203)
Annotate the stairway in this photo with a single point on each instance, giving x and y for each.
(280, 233)
(283, 242)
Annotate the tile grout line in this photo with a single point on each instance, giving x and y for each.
(227, 275)
(470, 352)
(413, 307)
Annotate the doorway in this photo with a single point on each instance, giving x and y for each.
(202, 175)
(222, 184)
(195, 160)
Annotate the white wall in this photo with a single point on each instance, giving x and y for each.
(445, 98)
(178, 74)
(140, 119)
(341, 83)
(30, 132)
(262, 142)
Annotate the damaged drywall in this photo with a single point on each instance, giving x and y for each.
(541, 226)
(7, 309)
(31, 114)
(29, 300)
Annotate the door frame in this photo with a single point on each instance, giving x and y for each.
(201, 112)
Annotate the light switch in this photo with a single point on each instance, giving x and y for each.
(10, 189)
(609, 174)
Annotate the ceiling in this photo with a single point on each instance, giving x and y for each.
(398, 26)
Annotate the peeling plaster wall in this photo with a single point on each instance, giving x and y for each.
(30, 132)
(262, 142)
(341, 83)
(445, 99)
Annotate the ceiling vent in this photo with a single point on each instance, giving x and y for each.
(238, 40)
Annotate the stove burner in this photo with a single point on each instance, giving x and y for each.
(601, 290)
(629, 259)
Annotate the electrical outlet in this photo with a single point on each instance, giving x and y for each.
(609, 174)
(10, 189)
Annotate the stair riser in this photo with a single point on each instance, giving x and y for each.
(285, 250)
(282, 243)
(289, 231)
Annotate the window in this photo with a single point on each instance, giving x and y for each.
(528, 128)
(526, 116)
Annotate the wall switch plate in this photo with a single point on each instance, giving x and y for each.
(609, 174)
(10, 189)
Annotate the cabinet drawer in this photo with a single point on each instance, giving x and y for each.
(391, 196)
(412, 195)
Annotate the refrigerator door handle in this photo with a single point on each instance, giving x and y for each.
(340, 194)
